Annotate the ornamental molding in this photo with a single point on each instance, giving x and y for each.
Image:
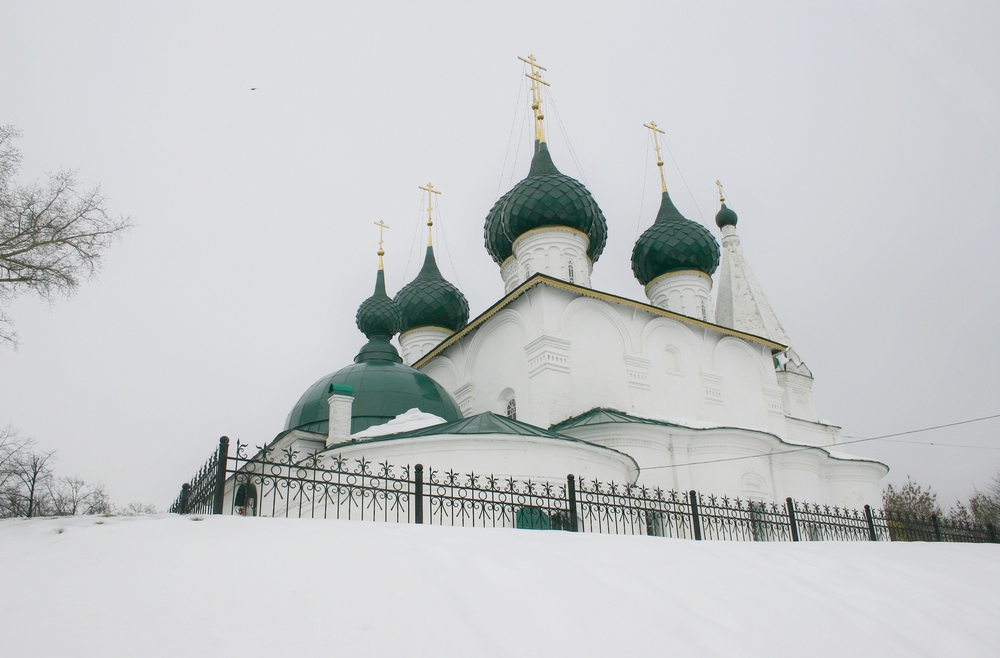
(547, 353)
(638, 368)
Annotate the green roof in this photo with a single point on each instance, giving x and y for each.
(673, 244)
(484, 423)
(383, 390)
(431, 301)
(603, 416)
(546, 197)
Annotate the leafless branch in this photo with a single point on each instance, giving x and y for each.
(52, 235)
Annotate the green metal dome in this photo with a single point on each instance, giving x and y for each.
(383, 387)
(431, 301)
(725, 216)
(382, 390)
(378, 315)
(546, 197)
(672, 244)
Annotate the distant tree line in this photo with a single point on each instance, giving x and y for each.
(914, 499)
(29, 487)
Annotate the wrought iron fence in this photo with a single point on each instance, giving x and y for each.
(287, 484)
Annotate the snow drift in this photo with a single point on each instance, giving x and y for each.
(168, 585)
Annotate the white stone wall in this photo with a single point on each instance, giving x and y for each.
(687, 292)
(764, 468)
(557, 251)
(539, 459)
(560, 354)
(563, 354)
(417, 342)
(511, 273)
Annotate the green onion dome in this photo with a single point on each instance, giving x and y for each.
(431, 301)
(383, 387)
(546, 197)
(672, 244)
(378, 315)
(497, 243)
(725, 216)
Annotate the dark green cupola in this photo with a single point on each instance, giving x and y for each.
(383, 387)
(546, 197)
(379, 320)
(673, 244)
(430, 300)
(725, 217)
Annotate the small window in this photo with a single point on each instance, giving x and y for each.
(512, 409)
(245, 501)
(704, 313)
(569, 270)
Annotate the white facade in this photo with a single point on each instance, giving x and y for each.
(561, 351)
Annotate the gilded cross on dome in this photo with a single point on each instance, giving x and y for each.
(722, 197)
(536, 94)
(430, 208)
(659, 158)
(381, 252)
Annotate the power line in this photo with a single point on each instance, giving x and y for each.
(844, 443)
(642, 197)
(513, 122)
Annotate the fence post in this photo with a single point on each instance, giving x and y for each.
(871, 523)
(220, 475)
(185, 494)
(937, 528)
(418, 493)
(695, 518)
(571, 490)
(790, 504)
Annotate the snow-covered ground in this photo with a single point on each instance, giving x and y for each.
(228, 586)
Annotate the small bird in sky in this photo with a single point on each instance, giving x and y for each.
(253, 88)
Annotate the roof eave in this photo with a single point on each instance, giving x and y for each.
(542, 279)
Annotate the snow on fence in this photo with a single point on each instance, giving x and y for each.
(285, 485)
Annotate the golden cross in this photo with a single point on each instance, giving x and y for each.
(659, 158)
(536, 94)
(430, 208)
(381, 252)
(722, 197)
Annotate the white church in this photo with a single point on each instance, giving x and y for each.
(558, 378)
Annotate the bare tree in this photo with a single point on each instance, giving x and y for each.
(52, 235)
(70, 496)
(35, 473)
(136, 509)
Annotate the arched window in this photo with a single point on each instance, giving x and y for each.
(569, 270)
(245, 501)
(704, 313)
(512, 409)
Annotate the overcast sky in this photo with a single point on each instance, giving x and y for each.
(857, 141)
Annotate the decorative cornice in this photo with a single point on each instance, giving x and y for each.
(543, 279)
